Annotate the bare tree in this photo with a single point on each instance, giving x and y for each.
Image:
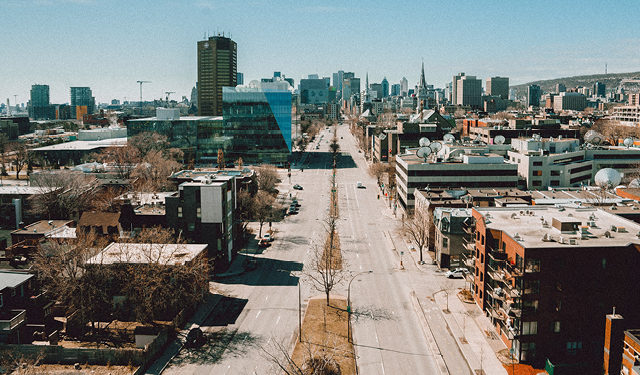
(267, 176)
(154, 171)
(263, 208)
(417, 229)
(315, 359)
(244, 208)
(123, 159)
(326, 267)
(14, 362)
(62, 194)
(3, 151)
(21, 157)
(220, 160)
(377, 170)
(148, 141)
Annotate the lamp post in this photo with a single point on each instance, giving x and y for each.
(349, 303)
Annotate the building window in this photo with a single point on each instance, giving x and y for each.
(537, 183)
(1, 300)
(573, 347)
(531, 305)
(556, 327)
(531, 286)
(445, 242)
(179, 211)
(191, 227)
(13, 292)
(555, 183)
(198, 212)
(481, 276)
(537, 163)
(529, 328)
(482, 240)
(533, 265)
(555, 173)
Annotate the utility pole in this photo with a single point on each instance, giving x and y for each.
(140, 83)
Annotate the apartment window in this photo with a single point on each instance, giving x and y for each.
(531, 305)
(537, 183)
(604, 263)
(179, 211)
(531, 286)
(554, 183)
(536, 173)
(527, 350)
(13, 292)
(533, 265)
(481, 258)
(198, 212)
(556, 327)
(557, 305)
(573, 347)
(445, 242)
(555, 173)
(191, 227)
(1, 300)
(529, 328)
(481, 276)
(537, 164)
(482, 240)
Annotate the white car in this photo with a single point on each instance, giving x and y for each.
(267, 237)
(457, 273)
(359, 185)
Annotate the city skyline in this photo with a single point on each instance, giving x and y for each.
(65, 43)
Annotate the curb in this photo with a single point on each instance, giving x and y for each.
(433, 345)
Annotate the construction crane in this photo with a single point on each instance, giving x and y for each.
(169, 93)
(140, 83)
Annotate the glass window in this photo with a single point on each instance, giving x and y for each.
(537, 163)
(198, 212)
(529, 328)
(537, 173)
(445, 242)
(179, 211)
(533, 265)
(556, 326)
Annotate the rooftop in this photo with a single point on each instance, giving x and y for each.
(23, 190)
(182, 118)
(84, 145)
(553, 227)
(194, 173)
(10, 279)
(42, 227)
(568, 196)
(144, 253)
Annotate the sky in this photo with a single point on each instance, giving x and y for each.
(110, 44)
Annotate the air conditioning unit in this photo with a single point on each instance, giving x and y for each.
(573, 241)
(622, 230)
(562, 240)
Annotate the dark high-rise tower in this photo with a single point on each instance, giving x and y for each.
(83, 96)
(217, 68)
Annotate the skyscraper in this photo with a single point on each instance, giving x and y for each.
(337, 80)
(39, 106)
(404, 86)
(454, 88)
(498, 86)
(82, 96)
(533, 96)
(239, 78)
(469, 91)
(395, 89)
(599, 89)
(385, 87)
(217, 68)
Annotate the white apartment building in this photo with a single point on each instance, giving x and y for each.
(628, 115)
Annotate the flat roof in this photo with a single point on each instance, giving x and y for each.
(532, 227)
(594, 197)
(42, 227)
(23, 190)
(84, 145)
(143, 253)
(10, 279)
(182, 118)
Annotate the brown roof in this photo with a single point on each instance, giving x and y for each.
(42, 227)
(99, 219)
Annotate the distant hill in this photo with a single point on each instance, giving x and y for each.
(611, 81)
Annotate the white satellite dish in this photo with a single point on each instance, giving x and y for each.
(435, 146)
(593, 137)
(424, 142)
(607, 178)
(628, 142)
(499, 139)
(449, 138)
(423, 152)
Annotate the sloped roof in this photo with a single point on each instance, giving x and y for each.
(10, 279)
(99, 219)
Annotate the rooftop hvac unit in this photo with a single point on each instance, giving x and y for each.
(562, 240)
(614, 228)
(573, 241)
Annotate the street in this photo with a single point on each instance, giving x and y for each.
(261, 306)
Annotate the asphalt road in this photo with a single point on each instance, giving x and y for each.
(261, 306)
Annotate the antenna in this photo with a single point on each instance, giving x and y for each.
(169, 93)
(423, 152)
(499, 139)
(605, 72)
(424, 142)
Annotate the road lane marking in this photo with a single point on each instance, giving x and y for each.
(258, 314)
(277, 320)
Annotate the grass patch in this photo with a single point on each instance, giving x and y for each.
(325, 334)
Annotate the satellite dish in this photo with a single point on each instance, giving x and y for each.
(435, 146)
(593, 137)
(628, 142)
(635, 183)
(449, 138)
(424, 142)
(423, 152)
(499, 139)
(608, 178)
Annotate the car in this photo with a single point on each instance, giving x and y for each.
(297, 187)
(360, 185)
(293, 211)
(267, 237)
(264, 243)
(195, 338)
(457, 273)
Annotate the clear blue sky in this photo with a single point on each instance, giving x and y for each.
(109, 44)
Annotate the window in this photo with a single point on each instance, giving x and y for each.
(573, 347)
(537, 163)
(533, 265)
(556, 327)
(536, 173)
(555, 173)
(482, 239)
(557, 305)
(179, 211)
(13, 292)
(191, 227)
(529, 328)
(481, 276)
(528, 350)
(554, 183)
(445, 242)
(531, 286)
(537, 183)
(1, 300)
(198, 212)
(481, 258)
(531, 305)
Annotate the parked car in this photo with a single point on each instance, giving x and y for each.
(360, 185)
(292, 211)
(267, 237)
(297, 187)
(195, 338)
(264, 243)
(457, 273)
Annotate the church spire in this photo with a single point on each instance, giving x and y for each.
(423, 82)
(367, 80)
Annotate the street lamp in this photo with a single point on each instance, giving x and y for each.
(349, 303)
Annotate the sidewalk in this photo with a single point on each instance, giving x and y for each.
(467, 324)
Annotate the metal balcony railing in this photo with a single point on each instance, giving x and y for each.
(11, 319)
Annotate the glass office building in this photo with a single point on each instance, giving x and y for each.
(255, 126)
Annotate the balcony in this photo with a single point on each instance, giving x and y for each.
(11, 319)
(513, 270)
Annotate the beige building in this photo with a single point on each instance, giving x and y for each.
(569, 101)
